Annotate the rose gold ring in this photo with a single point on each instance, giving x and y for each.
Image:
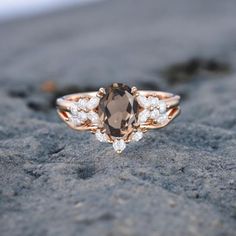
(118, 114)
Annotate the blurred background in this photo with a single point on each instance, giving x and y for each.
(55, 181)
(20, 8)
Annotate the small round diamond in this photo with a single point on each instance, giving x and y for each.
(154, 114)
(93, 117)
(143, 116)
(101, 136)
(93, 103)
(119, 145)
(137, 136)
(153, 101)
(143, 101)
(162, 118)
(162, 107)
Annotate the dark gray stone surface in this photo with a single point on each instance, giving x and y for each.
(177, 181)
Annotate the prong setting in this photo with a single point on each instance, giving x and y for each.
(101, 92)
(134, 90)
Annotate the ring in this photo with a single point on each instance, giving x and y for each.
(118, 114)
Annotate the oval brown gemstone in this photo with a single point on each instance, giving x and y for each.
(118, 110)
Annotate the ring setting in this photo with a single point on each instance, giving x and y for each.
(118, 114)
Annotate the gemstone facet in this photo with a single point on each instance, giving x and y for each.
(137, 136)
(93, 103)
(143, 101)
(101, 137)
(74, 109)
(162, 107)
(118, 110)
(143, 116)
(93, 117)
(163, 118)
(119, 145)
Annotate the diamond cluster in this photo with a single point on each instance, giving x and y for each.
(83, 111)
(153, 109)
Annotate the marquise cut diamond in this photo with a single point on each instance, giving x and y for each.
(82, 104)
(148, 102)
(162, 107)
(137, 136)
(143, 101)
(93, 103)
(82, 116)
(163, 118)
(154, 114)
(74, 109)
(75, 121)
(93, 117)
(143, 116)
(101, 136)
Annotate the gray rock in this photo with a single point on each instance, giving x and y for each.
(180, 180)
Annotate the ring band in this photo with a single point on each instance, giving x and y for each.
(118, 114)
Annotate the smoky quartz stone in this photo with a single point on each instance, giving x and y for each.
(118, 110)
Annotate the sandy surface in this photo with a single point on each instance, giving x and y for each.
(177, 181)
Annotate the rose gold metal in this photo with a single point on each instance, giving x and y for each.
(172, 103)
